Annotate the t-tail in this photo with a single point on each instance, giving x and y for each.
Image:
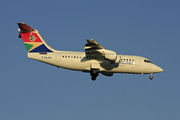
(33, 40)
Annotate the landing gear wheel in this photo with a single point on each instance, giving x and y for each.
(93, 78)
(94, 73)
(151, 77)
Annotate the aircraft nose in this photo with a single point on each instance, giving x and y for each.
(158, 69)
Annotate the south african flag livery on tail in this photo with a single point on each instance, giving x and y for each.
(32, 39)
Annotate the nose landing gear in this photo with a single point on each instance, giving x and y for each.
(151, 77)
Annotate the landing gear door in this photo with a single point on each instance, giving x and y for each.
(95, 66)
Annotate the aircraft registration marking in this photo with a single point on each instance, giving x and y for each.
(45, 57)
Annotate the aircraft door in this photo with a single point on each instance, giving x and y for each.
(137, 62)
(58, 57)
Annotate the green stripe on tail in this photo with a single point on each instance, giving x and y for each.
(28, 46)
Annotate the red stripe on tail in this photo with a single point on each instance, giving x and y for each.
(30, 37)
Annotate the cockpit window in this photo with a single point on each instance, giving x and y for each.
(147, 61)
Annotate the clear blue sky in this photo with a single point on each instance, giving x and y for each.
(31, 90)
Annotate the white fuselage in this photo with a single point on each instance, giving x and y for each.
(96, 59)
(79, 62)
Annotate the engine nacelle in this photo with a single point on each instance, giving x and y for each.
(110, 55)
(117, 60)
(107, 73)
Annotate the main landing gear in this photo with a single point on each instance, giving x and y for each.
(94, 73)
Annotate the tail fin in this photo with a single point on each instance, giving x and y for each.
(32, 39)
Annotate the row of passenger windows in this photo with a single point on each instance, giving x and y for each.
(97, 58)
(127, 59)
(94, 58)
(100, 58)
(71, 57)
(81, 57)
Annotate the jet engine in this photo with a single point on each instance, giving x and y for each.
(107, 73)
(111, 56)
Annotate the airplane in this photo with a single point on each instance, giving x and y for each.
(96, 59)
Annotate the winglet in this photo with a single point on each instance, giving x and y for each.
(25, 28)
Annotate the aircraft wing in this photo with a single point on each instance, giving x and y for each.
(94, 49)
